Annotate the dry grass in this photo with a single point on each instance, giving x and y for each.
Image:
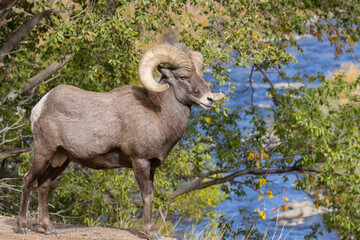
(351, 74)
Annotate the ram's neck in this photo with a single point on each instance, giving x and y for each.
(174, 114)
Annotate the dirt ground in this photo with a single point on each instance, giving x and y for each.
(68, 232)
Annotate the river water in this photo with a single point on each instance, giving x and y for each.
(317, 56)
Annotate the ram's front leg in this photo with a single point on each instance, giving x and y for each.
(145, 177)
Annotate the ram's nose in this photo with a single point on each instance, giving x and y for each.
(210, 98)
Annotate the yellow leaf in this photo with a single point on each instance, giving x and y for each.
(254, 35)
(258, 164)
(341, 201)
(312, 178)
(264, 155)
(285, 207)
(250, 157)
(207, 119)
(259, 197)
(262, 181)
(316, 195)
(286, 199)
(269, 194)
(253, 155)
(262, 215)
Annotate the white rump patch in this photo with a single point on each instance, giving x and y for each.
(36, 111)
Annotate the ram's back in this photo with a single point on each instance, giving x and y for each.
(87, 124)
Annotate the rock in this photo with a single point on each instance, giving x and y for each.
(297, 213)
(302, 204)
(289, 215)
(287, 223)
(308, 212)
(264, 105)
(269, 95)
(286, 85)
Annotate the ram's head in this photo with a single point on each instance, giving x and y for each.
(184, 73)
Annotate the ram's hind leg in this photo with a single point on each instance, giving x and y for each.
(44, 181)
(38, 165)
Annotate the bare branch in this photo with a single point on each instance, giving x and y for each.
(59, 213)
(25, 29)
(81, 169)
(40, 77)
(199, 184)
(250, 82)
(45, 74)
(4, 154)
(4, 184)
(5, 6)
(15, 125)
(9, 175)
(29, 98)
(266, 77)
(16, 38)
(202, 176)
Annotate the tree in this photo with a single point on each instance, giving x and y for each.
(97, 46)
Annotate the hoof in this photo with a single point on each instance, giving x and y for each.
(23, 231)
(51, 233)
(155, 237)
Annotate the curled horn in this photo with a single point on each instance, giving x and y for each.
(163, 54)
(198, 60)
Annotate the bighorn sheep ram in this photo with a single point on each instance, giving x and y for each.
(129, 127)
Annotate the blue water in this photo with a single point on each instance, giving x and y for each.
(250, 202)
(316, 57)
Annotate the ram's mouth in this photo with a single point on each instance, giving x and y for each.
(204, 106)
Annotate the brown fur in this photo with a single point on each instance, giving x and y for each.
(126, 127)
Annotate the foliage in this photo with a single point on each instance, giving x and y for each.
(96, 45)
(326, 138)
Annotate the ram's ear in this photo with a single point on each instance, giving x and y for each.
(165, 71)
(198, 60)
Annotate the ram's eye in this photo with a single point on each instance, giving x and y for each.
(182, 77)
